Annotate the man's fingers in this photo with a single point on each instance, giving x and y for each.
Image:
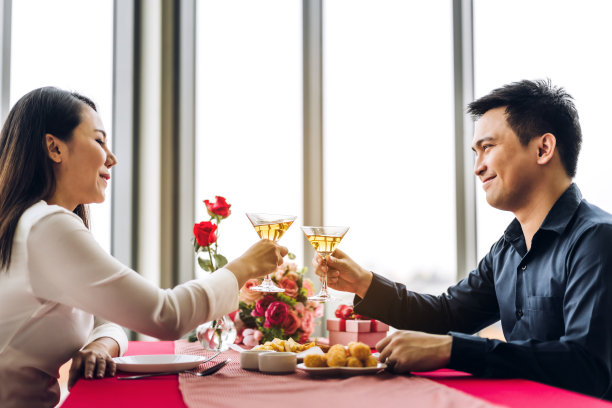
(283, 250)
(380, 346)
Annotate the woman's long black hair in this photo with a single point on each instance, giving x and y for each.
(26, 171)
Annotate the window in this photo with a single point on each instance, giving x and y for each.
(572, 56)
(67, 44)
(388, 137)
(249, 115)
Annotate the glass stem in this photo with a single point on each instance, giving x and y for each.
(324, 281)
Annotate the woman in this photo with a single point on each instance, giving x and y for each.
(54, 277)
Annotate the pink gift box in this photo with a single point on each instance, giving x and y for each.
(343, 331)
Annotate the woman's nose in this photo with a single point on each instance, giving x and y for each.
(111, 160)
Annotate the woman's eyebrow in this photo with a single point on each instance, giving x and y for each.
(101, 131)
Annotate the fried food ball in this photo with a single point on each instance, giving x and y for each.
(315, 360)
(371, 361)
(336, 356)
(359, 350)
(353, 362)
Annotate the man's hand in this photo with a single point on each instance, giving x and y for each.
(406, 351)
(95, 359)
(343, 273)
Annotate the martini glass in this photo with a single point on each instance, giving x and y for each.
(324, 240)
(272, 227)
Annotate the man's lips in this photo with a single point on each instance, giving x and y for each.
(105, 176)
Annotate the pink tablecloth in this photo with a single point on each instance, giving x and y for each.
(234, 387)
(164, 391)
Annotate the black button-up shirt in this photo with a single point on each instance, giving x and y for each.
(554, 302)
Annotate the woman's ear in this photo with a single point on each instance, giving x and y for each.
(54, 148)
(547, 144)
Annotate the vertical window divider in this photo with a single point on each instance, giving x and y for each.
(185, 57)
(313, 115)
(312, 26)
(124, 204)
(465, 189)
(5, 56)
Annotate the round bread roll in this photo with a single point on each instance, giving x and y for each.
(359, 350)
(336, 356)
(353, 362)
(371, 361)
(315, 360)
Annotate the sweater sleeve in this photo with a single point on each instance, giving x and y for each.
(68, 266)
(112, 330)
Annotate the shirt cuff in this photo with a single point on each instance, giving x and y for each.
(370, 303)
(112, 330)
(222, 289)
(468, 353)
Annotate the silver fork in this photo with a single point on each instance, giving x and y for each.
(136, 377)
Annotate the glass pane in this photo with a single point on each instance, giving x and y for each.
(388, 126)
(249, 115)
(573, 55)
(67, 44)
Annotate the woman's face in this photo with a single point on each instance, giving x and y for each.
(84, 170)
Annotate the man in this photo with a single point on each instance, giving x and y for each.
(548, 278)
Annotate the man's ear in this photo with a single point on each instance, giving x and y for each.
(55, 148)
(546, 145)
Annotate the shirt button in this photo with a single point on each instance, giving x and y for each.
(519, 313)
(523, 267)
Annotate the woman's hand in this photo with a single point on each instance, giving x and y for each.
(343, 273)
(94, 360)
(260, 259)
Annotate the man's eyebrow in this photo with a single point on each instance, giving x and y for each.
(481, 141)
(101, 131)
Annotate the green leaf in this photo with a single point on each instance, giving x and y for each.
(284, 298)
(205, 264)
(220, 260)
(196, 246)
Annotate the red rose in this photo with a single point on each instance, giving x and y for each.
(344, 312)
(205, 233)
(290, 286)
(276, 313)
(291, 323)
(219, 207)
(262, 305)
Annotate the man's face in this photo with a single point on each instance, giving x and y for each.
(507, 169)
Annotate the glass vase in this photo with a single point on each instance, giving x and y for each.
(217, 334)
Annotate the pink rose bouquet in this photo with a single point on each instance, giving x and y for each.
(289, 314)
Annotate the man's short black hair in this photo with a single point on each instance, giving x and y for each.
(534, 108)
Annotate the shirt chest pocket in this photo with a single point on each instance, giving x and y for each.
(545, 316)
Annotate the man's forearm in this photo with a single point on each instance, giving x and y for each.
(562, 364)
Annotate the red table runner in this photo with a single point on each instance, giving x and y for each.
(164, 391)
(234, 387)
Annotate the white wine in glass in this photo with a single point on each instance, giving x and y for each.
(324, 240)
(272, 227)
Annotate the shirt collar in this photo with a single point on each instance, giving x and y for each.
(558, 217)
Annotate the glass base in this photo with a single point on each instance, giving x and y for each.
(323, 297)
(272, 288)
(217, 334)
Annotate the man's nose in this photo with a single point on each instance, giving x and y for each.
(479, 166)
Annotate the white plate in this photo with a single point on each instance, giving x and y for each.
(342, 371)
(157, 363)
